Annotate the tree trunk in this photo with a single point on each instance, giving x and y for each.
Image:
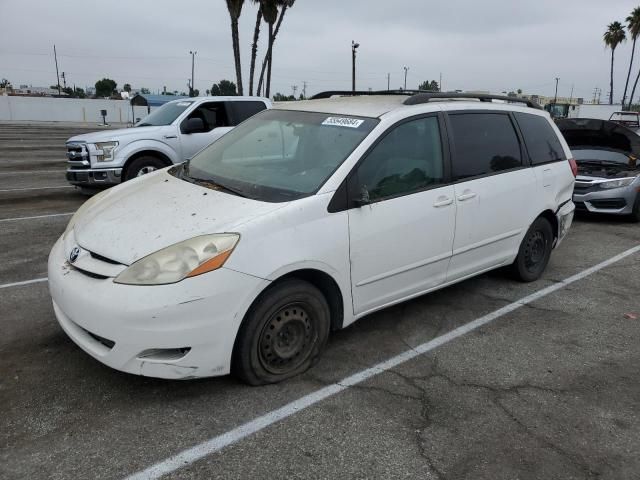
(266, 59)
(271, 42)
(236, 54)
(268, 81)
(254, 49)
(626, 85)
(613, 50)
(633, 91)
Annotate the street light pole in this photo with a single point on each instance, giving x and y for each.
(354, 46)
(406, 69)
(193, 54)
(555, 99)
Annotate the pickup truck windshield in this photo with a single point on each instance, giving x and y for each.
(164, 115)
(279, 155)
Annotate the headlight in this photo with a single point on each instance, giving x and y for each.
(622, 182)
(177, 262)
(107, 151)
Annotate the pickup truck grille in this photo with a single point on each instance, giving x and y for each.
(78, 156)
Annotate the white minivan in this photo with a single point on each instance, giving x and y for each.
(302, 220)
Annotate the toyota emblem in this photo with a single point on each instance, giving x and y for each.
(73, 256)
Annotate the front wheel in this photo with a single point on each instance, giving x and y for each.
(535, 250)
(282, 334)
(143, 165)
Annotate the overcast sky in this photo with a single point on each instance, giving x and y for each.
(491, 45)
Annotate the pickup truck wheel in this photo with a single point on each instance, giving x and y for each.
(143, 165)
(282, 334)
(534, 252)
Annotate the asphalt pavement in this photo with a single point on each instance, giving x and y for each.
(548, 389)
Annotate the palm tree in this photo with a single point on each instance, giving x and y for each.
(270, 14)
(235, 8)
(613, 37)
(633, 25)
(254, 45)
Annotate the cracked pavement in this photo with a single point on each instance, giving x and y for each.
(550, 390)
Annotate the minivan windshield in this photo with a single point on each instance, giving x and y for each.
(279, 155)
(165, 115)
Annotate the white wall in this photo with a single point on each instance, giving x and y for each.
(49, 109)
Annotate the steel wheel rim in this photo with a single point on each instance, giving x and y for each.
(145, 170)
(287, 339)
(535, 250)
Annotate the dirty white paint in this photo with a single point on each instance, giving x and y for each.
(215, 444)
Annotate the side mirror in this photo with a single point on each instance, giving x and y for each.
(363, 199)
(193, 125)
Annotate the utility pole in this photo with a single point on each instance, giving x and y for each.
(354, 46)
(55, 56)
(440, 84)
(64, 80)
(555, 100)
(304, 89)
(406, 69)
(294, 89)
(388, 81)
(571, 97)
(193, 61)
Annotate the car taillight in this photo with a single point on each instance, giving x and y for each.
(574, 167)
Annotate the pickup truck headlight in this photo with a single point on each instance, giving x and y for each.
(172, 264)
(620, 182)
(107, 149)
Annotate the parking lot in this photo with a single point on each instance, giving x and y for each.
(488, 379)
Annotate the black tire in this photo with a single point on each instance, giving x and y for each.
(283, 333)
(534, 252)
(141, 166)
(635, 214)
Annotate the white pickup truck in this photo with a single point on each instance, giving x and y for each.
(169, 135)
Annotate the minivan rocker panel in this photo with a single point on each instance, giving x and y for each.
(367, 234)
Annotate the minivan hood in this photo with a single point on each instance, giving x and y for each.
(117, 134)
(142, 216)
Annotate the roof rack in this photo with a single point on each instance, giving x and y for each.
(425, 97)
(417, 97)
(357, 93)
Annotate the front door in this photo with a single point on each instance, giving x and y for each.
(401, 234)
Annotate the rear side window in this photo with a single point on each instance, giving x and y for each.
(240, 111)
(484, 143)
(540, 138)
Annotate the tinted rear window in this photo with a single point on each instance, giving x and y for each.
(540, 138)
(484, 143)
(243, 110)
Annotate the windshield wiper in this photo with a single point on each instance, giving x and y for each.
(217, 186)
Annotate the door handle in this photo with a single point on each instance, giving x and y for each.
(443, 201)
(170, 136)
(466, 196)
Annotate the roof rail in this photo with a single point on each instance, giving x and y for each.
(350, 93)
(425, 97)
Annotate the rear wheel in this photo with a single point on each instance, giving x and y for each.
(143, 165)
(535, 250)
(283, 333)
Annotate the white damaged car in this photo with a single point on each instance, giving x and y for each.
(302, 220)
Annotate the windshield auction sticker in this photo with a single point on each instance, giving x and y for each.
(343, 122)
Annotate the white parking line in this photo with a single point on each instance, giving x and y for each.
(28, 172)
(34, 188)
(215, 444)
(26, 282)
(36, 216)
